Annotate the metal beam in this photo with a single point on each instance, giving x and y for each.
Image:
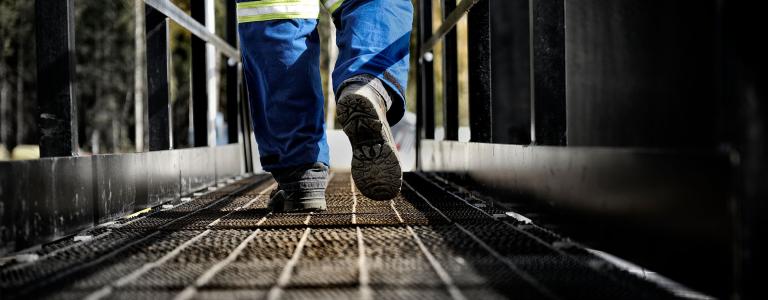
(510, 74)
(233, 80)
(160, 134)
(199, 80)
(56, 93)
(426, 113)
(452, 18)
(194, 25)
(548, 71)
(450, 78)
(480, 101)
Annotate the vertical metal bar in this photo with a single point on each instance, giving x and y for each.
(746, 100)
(233, 90)
(419, 13)
(450, 78)
(57, 102)
(548, 71)
(245, 125)
(427, 73)
(240, 119)
(141, 137)
(158, 105)
(419, 85)
(479, 41)
(199, 82)
(510, 58)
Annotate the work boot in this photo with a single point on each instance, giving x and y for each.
(299, 189)
(362, 111)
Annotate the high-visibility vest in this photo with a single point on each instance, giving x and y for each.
(264, 10)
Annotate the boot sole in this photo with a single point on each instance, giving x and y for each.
(375, 164)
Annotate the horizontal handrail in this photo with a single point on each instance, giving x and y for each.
(179, 16)
(448, 24)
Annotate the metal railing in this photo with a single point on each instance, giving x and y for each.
(478, 23)
(57, 88)
(539, 120)
(63, 192)
(645, 93)
(180, 17)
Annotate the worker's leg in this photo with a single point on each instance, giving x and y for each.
(370, 79)
(281, 52)
(374, 38)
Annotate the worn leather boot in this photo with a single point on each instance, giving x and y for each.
(299, 189)
(362, 111)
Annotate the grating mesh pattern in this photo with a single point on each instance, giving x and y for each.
(435, 241)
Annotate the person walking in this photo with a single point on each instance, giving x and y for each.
(280, 47)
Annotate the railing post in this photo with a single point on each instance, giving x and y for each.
(479, 44)
(510, 75)
(238, 113)
(450, 78)
(57, 102)
(548, 71)
(199, 81)
(245, 124)
(158, 108)
(426, 74)
(233, 91)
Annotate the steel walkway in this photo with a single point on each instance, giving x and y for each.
(429, 243)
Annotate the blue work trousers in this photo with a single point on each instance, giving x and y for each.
(280, 48)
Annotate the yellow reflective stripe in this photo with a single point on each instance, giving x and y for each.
(277, 9)
(334, 5)
(262, 3)
(276, 16)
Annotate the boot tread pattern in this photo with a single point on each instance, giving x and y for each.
(375, 165)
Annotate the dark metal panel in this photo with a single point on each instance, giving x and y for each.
(548, 57)
(646, 186)
(674, 204)
(160, 135)
(450, 78)
(199, 81)
(72, 193)
(46, 199)
(479, 60)
(163, 183)
(121, 185)
(228, 162)
(7, 209)
(197, 168)
(746, 101)
(510, 78)
(32, 183)
(642, 73)
(52, 198)
(57, 103)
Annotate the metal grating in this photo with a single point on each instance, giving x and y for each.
(435, 241)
